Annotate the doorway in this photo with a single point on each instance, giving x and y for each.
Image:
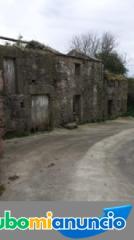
(40, 112)
(10, 75)
(77, 107)
(110, 108)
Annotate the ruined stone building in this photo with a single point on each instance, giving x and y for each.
(116, 90)
(47, 89)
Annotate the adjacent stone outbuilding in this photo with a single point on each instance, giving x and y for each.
(116, 94)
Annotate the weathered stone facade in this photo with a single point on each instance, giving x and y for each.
(25, 74)
(116, 93)
(79, 92)
(43, 90)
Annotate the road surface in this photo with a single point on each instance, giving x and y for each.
(92, 163)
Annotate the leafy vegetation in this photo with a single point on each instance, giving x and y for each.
(35, 45)
(104, 48)
(113, 62)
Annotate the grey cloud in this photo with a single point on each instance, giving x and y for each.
(57, 8)
(55, 21)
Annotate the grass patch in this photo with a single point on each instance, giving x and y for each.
(10, 135)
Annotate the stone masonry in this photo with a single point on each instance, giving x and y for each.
(116, 94)
(43, 90)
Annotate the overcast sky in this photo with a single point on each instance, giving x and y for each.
(54, 22)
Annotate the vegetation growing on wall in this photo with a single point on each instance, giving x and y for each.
(35, 45)
(111, 76)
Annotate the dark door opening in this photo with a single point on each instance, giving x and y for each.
(110, 107)
(77, 107)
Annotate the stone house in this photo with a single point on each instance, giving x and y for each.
(47, 89)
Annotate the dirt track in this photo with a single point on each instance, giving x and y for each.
(93, 162)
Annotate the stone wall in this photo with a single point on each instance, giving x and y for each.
(87, 84)
(34, 75)
(57, 88)
(65, 80)
(116, 94)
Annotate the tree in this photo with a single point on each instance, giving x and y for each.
(88, 44)
(91, 44)
(103, 48)
(113, 62)
(108, 43)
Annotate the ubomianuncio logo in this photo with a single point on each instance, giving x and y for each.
(8, 222)
(113, 219)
